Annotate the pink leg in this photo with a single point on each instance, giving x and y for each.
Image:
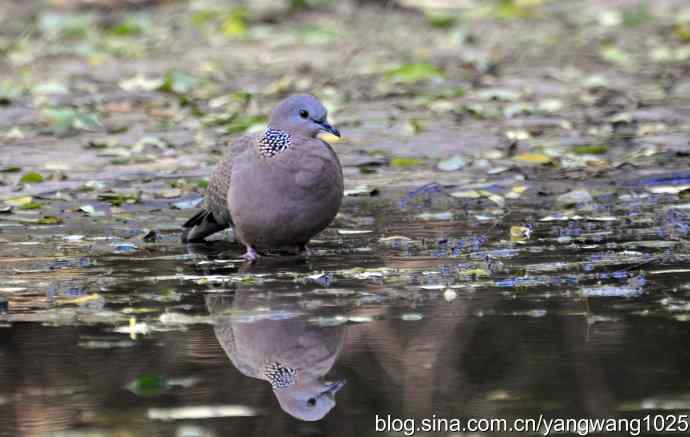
(250, 254)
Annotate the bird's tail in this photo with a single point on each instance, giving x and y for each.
(200, 226)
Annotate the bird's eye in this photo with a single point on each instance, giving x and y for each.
(303, 113)
(311, 402)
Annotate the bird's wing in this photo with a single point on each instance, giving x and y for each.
(316, 166)
(219, 182)
(215, 216)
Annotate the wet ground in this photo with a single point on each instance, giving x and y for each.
(514, 239)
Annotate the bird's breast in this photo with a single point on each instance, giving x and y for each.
(276, 202)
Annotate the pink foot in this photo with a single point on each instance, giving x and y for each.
(250, 254)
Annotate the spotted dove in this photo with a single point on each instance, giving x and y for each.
(277, 188)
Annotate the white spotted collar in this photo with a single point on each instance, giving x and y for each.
(273, 141)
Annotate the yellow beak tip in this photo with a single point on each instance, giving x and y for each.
(328, 137)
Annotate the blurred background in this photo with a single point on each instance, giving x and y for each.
(571, 80)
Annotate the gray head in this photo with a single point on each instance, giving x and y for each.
(303, 115)
(309, 400)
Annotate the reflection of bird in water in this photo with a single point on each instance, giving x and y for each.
(291, 354)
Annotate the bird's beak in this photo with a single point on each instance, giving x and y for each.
(330, 129)
(333, 387)
(328, 133)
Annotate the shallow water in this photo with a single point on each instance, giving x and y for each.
(424, 303)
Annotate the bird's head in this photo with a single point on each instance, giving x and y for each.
(310, 400)
(303, 115)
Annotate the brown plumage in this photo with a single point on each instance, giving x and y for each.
(278, 188)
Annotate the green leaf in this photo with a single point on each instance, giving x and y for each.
(406, 162)
(49, 220)
(514, 9)
(149, 385)
(413, 73)
(31, 205)
(637, 15)
(203, 17)
(131, 26)
(682, 31)
(102, 143)
(178, 82)
(243, 123)
(62, 121)
(298, 5)
(248, 280)
(10, 169)
(442, 21)
(615, 55)
(202, 183)
(596, 149)
(235, 24)
(118, 199)
(31, 178)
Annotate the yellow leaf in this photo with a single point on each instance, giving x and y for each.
(81, 299)
(133, 328)
(472, 194)
(520, 233)
(536, 158)
(19, 201)
(474, 272)
(516, 192)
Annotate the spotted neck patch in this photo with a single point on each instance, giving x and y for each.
(272, 142)
(278, 375)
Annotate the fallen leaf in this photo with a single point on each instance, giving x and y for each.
(536, 158)
(591, 149)
(454, 163)
(574, 197)
(19, 201)
(177, 82)
(413, 73)
(520, 233)
(31, 178)
(187, 204)
(354, 231)
(435, 215)
(10, 169)
(49, 220)
(406, 162)
(469, 194)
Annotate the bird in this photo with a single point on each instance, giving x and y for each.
(277, 188)
(291, 354)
